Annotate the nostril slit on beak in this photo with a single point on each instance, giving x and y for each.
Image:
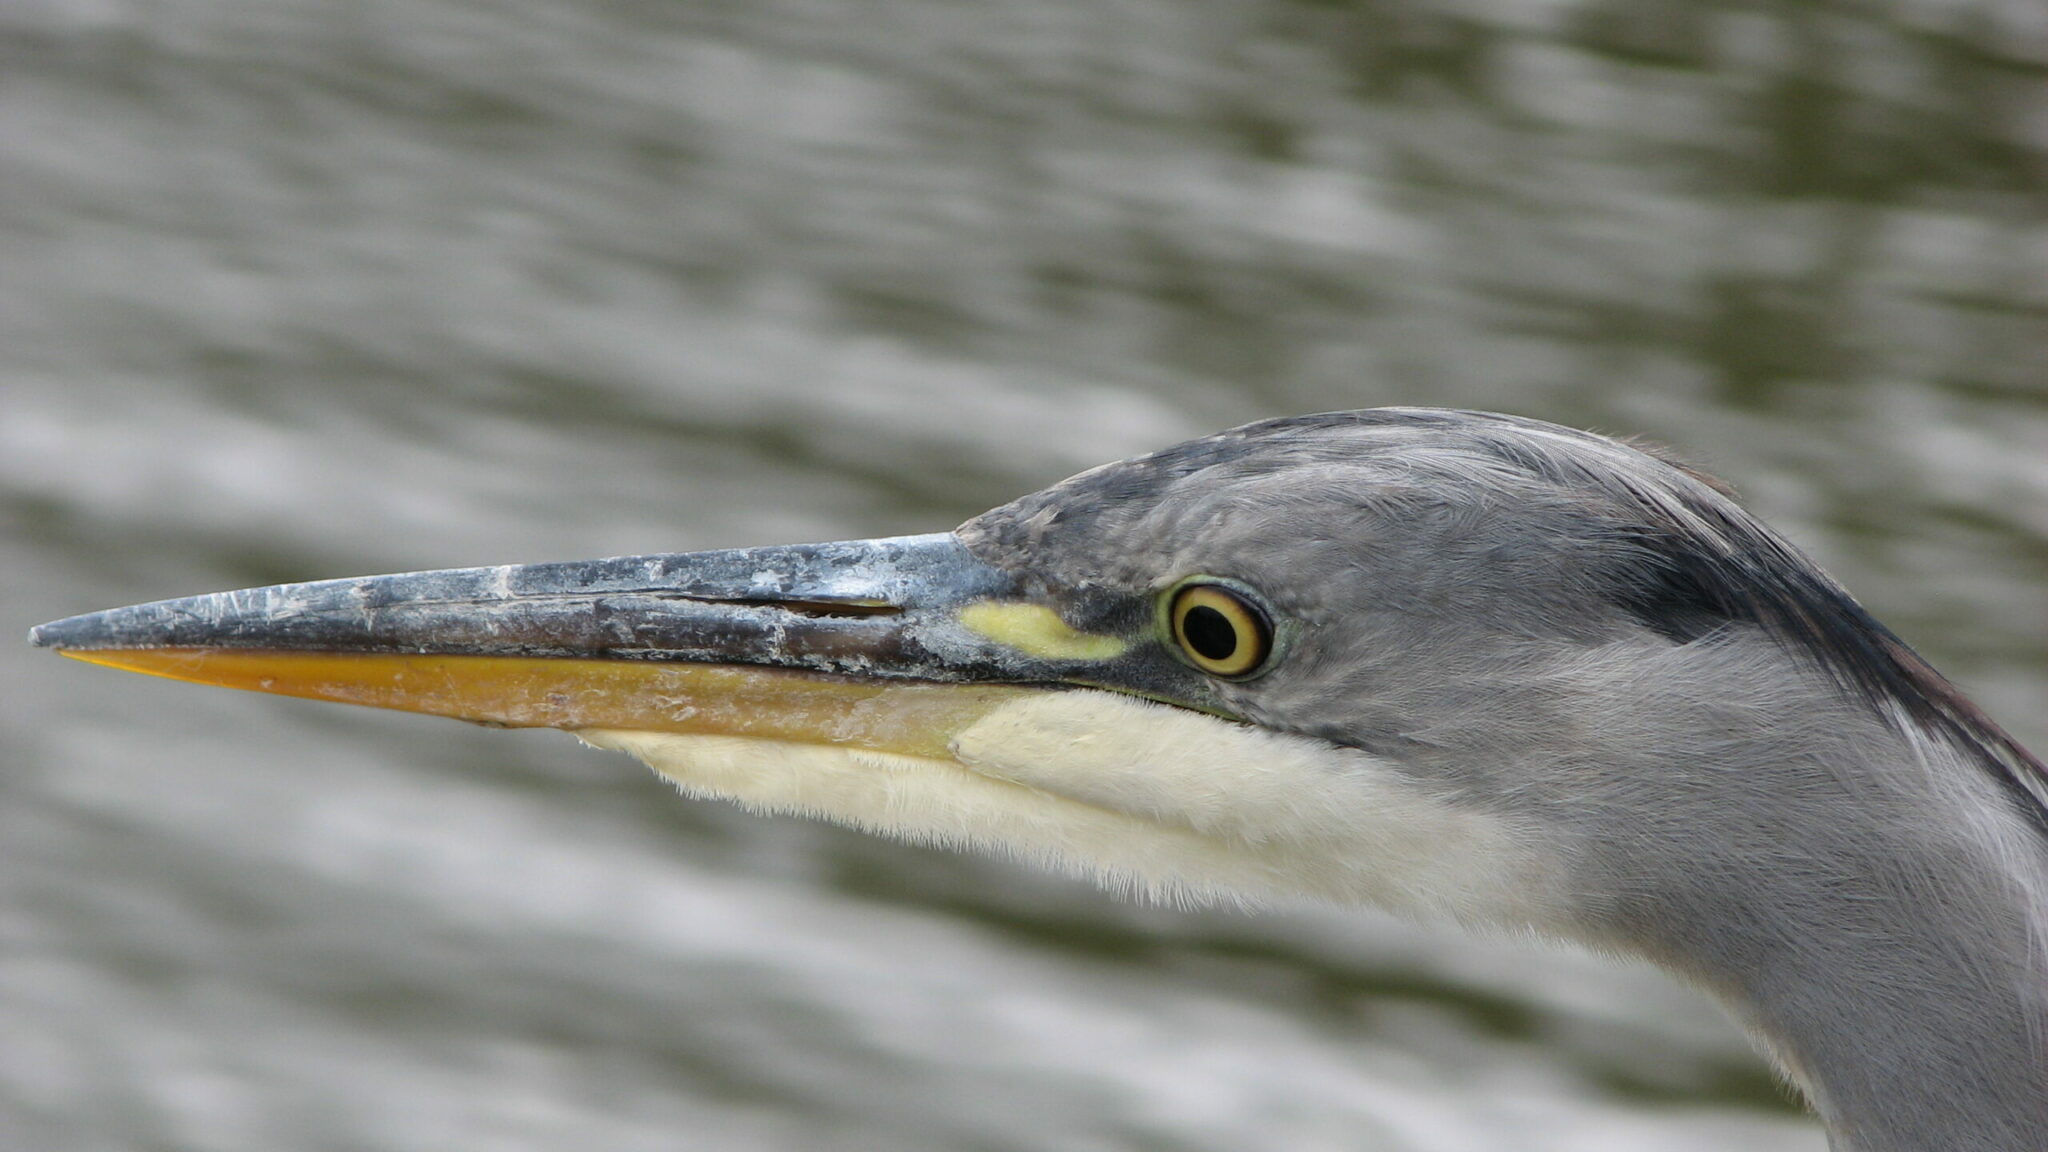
(828, 609)
(824, 609)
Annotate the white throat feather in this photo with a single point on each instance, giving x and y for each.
(1147, 798)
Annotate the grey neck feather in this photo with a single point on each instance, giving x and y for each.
(1870, 897)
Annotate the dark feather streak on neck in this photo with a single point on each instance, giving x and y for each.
(1684, 584)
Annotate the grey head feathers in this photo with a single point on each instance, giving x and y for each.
(1638, 539)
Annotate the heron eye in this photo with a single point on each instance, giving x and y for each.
(1219, 630)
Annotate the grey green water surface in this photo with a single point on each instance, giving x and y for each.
(303, 288)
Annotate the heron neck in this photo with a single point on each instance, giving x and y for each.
(1880, 917)
(1925, 1047)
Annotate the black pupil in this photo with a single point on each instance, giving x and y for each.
(1209, 632)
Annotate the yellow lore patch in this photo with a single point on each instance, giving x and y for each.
(1038, 632)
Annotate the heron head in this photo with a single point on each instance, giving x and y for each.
(1400, 656)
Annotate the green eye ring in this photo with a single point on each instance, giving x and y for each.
(1219, 626)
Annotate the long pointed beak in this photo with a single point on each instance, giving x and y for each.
(871, 643)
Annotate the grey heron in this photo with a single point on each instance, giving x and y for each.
(1446, 663)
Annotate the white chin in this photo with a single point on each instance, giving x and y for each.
(1147, 798)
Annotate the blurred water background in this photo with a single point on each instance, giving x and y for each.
(304, 288)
